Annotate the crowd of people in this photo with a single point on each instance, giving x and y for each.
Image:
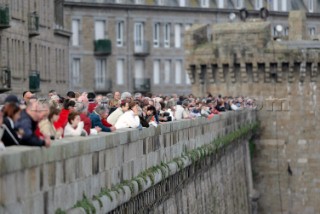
(35, 121)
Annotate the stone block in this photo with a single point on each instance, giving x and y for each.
(86, 165)
(60, 175)
(8, 192)
(71, 169)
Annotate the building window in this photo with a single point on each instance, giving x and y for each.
(177, 36)
(167, 35)
(119, 1)
(160, 2)
(138, 34)
(310, 5)
(100, 74)
(239, 4)
(156, 72)
(156, 35)
(258, 4)
(178, 71)
(75, 75)
(120, 26)
(286, 31)
(182, 3)
(99, 29)
(139, 69)
(312, 31)
(138, 1)
(167, 71)
(120, 71)
(188, 81)
(275, 5)
(220, 3)
(204, 3)
(284, 5)
(75, 32)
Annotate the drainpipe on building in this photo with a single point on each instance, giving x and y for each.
(129, 83)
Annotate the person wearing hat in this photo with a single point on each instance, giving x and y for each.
(11, 112)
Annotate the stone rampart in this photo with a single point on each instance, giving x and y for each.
(39, 180)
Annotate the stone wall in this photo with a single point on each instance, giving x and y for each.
(39, 180)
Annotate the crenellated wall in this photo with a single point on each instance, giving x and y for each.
(40, 180)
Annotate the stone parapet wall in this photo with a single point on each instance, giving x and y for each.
(39, 180)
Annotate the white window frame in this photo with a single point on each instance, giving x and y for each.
(75, 32)
(182, 3)
(284, 5)
(258, 4)
(178, 71)
(156, 35)
(139, 74)
(167, 71)
(275, 5)
(156, 72)
(205, 3)
(160, 2)
(188, 81)
(311, 6)
(119, 31)
(177, 36)
(120, 72)
(312, 31)
(138, 34)
(75, 71)
(167, 35)
(99, 29)
(220, 4)
(239, 4)
(100, 73)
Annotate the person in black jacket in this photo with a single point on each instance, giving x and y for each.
(11, 113)
(28, 122)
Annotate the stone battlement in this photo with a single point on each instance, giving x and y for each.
(39, 180)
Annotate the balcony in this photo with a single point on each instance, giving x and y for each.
(104, 87)
(102, 47)
(141, 48)
(141, 85)
(4, 17)
(33, 24)
(5, 79)
(34, 81)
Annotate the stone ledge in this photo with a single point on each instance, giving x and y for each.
(23, 157)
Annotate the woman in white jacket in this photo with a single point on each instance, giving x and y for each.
(130, 119)
(74, 126)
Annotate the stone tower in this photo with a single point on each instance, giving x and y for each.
(282, 74)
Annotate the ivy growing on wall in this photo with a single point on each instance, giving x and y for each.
(195, 155)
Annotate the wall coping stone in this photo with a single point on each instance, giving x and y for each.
(20, 157)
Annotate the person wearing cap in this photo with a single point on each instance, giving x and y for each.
(11, 112)
(92, 103)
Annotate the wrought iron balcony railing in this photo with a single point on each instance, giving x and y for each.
(5, 79)
(102, 47)
(141, 48)
(4, 16)
(141, 84)
(33, 24)
(104, 86)
(34, 81)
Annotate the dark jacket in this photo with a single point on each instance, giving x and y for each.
(28, 125)
(96, 121)
(9, 137)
